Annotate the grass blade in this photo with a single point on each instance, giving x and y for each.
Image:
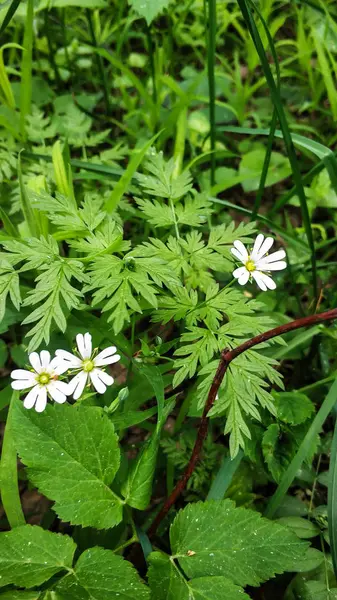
(9, 15)
(101, 70)
(277, 101)
(211, 46)
(224, 477)
(26, 207)
(303, 451)
(8, 474)
(26, 69)
(332, 501)
(124, 182)
(265, 167)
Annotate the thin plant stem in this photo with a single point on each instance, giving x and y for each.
(227, 356)
(26, 69)
(151, 50)
(99, 60)
(211, 47)
(265, 167)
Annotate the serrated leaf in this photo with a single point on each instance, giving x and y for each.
(167, 583)
(217, 539)
(9, 285)
(149, 9)
(293, 407)
(163, 181)
(29, 555)
(72, 457)
(303, 528)
(102, 575)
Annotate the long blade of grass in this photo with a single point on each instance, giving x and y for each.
(8, 226)
(10, 496)
(332, 501)
(26, 207)
(26, 69)
(211, 47)
(124, 182)
(224, 477)
(101, 70)
(9, 15)
(303, 451)
(277, 101)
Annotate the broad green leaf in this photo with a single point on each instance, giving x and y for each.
(149, 9)
(251, 166)
(29, 555)
(19, 595)
(72, 456)
(80, 3)
(168, 583)
(293, 407)
(155, 378)
(303, 528)
(312, 559)
(101, 575)
(217, 539)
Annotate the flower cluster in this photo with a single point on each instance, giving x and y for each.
(43, 377)
(257, 262)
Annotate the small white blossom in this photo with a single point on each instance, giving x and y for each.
(43, 380)
(87, 365)
(258, 262)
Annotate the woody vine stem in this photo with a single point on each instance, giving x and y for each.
(226, 358)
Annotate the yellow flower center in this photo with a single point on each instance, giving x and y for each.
(43, 378)
(250, 265)
(87, 365)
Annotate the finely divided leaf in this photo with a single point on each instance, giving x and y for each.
(216, 539)
(72, 456)
(29, 555)
(9, 285)
(101, 575)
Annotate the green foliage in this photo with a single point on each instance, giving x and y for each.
(149, 9)
(73, 470)
(30, 556)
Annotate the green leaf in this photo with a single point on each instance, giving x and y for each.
(149, 9)
(217, 539)
(80, 3)
(101, 575)
(122, 185)
(293, 407)
(138, 486)
(163, 180)
(303, 528)
(19, 595)
(72, 456)
(167, 583)
(252, 163)
(9, 285)
(29, 555)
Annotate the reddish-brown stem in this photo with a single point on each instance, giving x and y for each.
(226, 358)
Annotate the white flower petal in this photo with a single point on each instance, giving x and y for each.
(107, 357)
(72, 360)
(276, 266)
(99, 379)
(31, 397)
(259, 280)
(58, 391)
(22, 384)
(238, 255)
(77, 385)
(274, 256)
(244, 278)
(84, 344)
(257, 245)
(266, 280)
(45, 359)
(34, 360)
(41, 401)
(23, 374)
(238, 272)
(58, 366)
(241, 248)
(267, 244)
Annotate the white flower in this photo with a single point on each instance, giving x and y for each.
(258, 262)
(43, 380)
(87, 364)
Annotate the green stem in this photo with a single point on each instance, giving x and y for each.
(211, 44)
(303, 451)
(26, 69)
(101, 70)
(8, 474)
(151, 51)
